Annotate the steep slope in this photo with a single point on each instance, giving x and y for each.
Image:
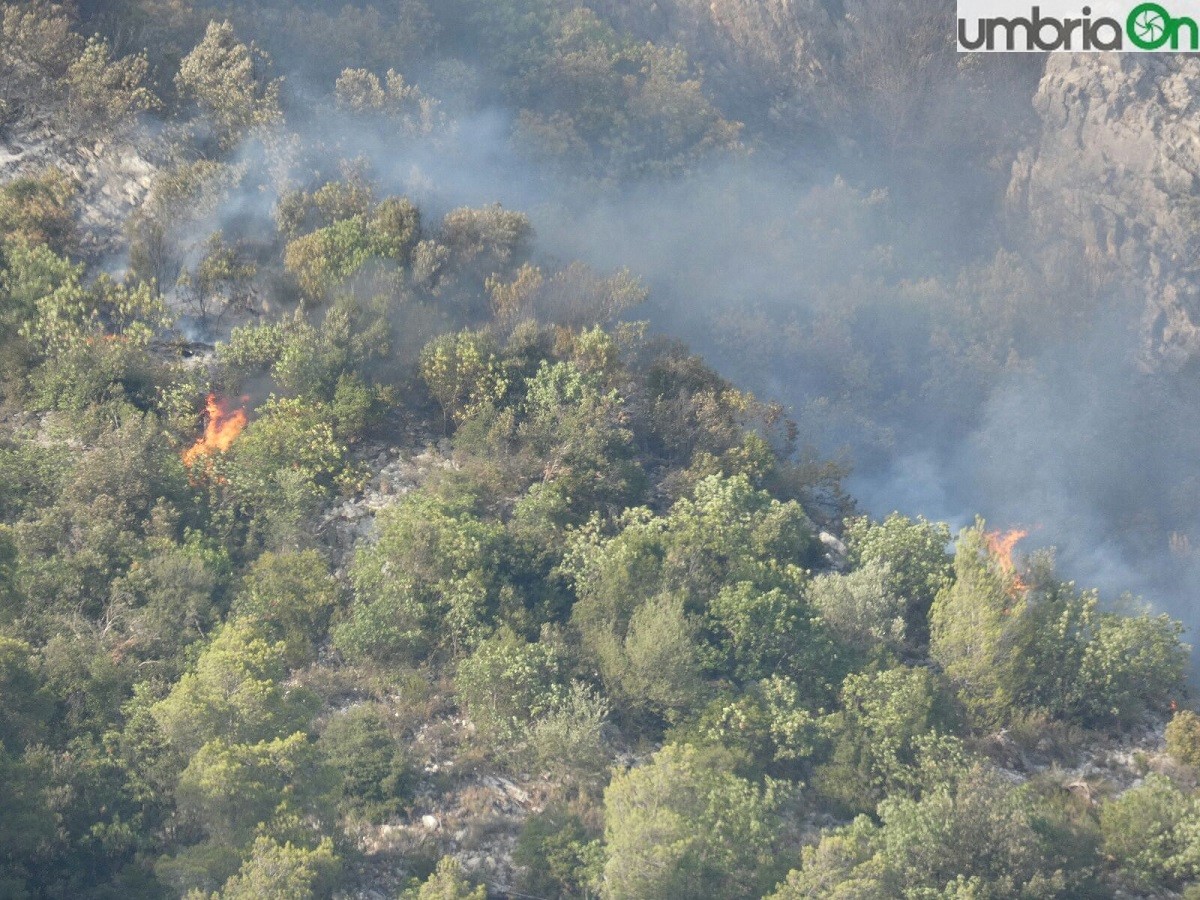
(1112, 177)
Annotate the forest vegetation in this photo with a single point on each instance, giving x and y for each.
(355, 544)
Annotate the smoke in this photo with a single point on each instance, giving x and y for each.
(867, 277)
(1077, 442)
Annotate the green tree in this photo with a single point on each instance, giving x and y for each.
(81, 342)
(52, 306)
(507, 682)
(376, 776)
(719, 581)
(168, 601)
(432, 581)
(237, 737)
(324, 259)
(878, 737)
(645, 112)
(27, 826)
(279, 470)
(578, 432)
(1183, 737)
(973, 836)
(226, 79)
(1073, 661)
(763, 631)
(289, 597)
(27, 709)
(461, 372)
(967, 626)
(362, 91)
(684, 826)
(560, 857)
(326, 363)
(1132, 665)
(104, 507)
(914, 552)
(105, 94)
(860, 607)
(446, 883)
(1047, 648)
(235, 694)
(283, 872)
(569, 740)
(768, 722)
(37, 209)
(1152, 832)
(230, 789)
(658, 667)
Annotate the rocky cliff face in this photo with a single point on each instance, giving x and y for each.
(1113, 178)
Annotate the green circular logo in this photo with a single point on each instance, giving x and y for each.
(1149, 26)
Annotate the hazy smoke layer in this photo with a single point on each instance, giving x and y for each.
(1077, 443)
(858, 263)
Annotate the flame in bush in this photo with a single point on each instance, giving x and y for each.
(1001, 545)
(220, 431)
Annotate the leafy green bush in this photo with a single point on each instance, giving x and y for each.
(1152, 832)
(506, 683)
(281, 468)
(373, 768)
(684, 826)
(289, 597)
(446, 883)
(718, 578)
(234, 694)
(284, 871)
(879, 735)
(914, 553)
(1183, 737)
(558, 854)
(973, 836)
(1047, 647)
(431, 581)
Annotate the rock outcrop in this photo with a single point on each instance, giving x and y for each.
(1113, 178)
(113, 178)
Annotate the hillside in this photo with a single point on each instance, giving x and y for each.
(452, 449)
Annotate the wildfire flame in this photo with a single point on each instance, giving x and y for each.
(220, 431)
(1001, 545)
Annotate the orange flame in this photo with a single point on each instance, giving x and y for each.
(1001, 546)
(220, 431)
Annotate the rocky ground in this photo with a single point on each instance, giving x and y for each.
(114, 178)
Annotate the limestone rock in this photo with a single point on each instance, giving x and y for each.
(1111, 178)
